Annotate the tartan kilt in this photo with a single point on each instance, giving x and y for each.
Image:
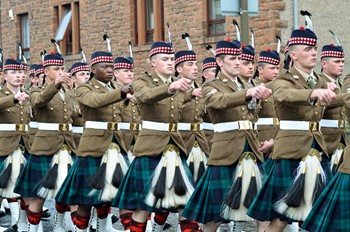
(2, 163)
(28, 182)
(137, 184)
(276, 184)
(267, 165)
(205, 204)
(331, 212)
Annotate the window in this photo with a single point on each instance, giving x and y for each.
(67, 32)
(216, 21)
(25, 34)
(150, 21)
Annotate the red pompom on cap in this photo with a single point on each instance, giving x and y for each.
(243, 46)
(52, 53)
(269, 49)
(228, 39)
(302, 28)
(12, 58)
(332, 44)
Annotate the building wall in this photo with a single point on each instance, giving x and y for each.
(116, 17)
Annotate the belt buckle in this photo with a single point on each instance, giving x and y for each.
(341, 124)
(63, 127)
(111, 126)
(276, 122)
(195, 126)
(20, 127)
(313, 126)
(244, 125)
(172, 127)
(134, 126)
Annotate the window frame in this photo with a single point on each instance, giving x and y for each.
(213, 21)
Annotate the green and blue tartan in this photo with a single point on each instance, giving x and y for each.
(276, 185)
(2, 162)
(137, 184)
(267, 165)
(331, 212)
(28, 183)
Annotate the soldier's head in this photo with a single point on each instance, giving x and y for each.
(12, 73)
(268, 65)
(246, 67)
(228, 57)
(39, 74)
(24, 68)
(53, 66)
(1, 75)
(102, 66)
(33, 79)
(186, 65)
(209, 68)
(332, 60)
(80, 73)
(124, 70)
(162, 59)
(302, 49)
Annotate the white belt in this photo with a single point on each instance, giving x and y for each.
(54, 126)
(33, 125)
(111, 126)
(236, 125)
(160, 126)
(208, 126)
(183, 126)
(332, 123)
(77, 129)
(13, 127)
(299, 125)
(267, 122)
(130, 126)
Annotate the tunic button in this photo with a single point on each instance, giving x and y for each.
(65, 116)
(21, 113)
(51, 108)
(244, 117)
(316, 113)
(196, 117)
(265, 100)
(21, 107)
(315, 104)
(113, 107)
(22, 120)
(133, 111)
(172, 107)
(65, 110)
(134, 117)
(171, 115)
(172, 99)
(64, 103)
(243, 108)
(114, 115)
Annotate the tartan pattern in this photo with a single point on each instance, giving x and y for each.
(331, 212)
(28, 182)
(276, 184)
(2, 163)
(206, 201)
(137, 183)
(267, 166)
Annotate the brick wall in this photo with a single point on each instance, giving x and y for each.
(116, 17)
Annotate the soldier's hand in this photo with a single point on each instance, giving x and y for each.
(332, 86)
(127, 89)
(182, 84)
(258, 92)
(63, 79)
(266, 146)
(197, 92)
(130, 96)
(324, 95)
(21, 96)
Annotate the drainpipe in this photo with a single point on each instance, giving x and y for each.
(295, 14)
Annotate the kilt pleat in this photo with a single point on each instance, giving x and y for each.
(331, 212)
(267, 165)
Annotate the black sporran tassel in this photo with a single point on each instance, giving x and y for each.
(319, 186)
(69, 166)
(295, 193)
(201, 170)
(6, 176)
(334, 168)
(159, 188)
(50, 178)
(180, 188)
(118, 175)
(233, 197)
(97, 181)
(251, 192)
(191, 166)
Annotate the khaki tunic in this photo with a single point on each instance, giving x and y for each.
(226, 104)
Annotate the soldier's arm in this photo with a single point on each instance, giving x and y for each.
(6, 102)
(42, 98)
(217, 100)
(87, 97)
(150, 95)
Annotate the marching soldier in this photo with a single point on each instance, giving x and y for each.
(333, 124)
(52, 145)
(233, 174)
(246, 67)
(158, 179)
(101, 159)
(301, 164)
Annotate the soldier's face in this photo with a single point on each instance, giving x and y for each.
(34, 80)
(246, 69)
(268, 72)
(229, 65)
(188, 69)
(23, 77)
(164, 64)
(304, 56)
(41, 79)
(13, 78)
(103, 72)
(333, 67)
(53, 72)
(81, 78)
(1, 78)
(124, 76)
(209, 73)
